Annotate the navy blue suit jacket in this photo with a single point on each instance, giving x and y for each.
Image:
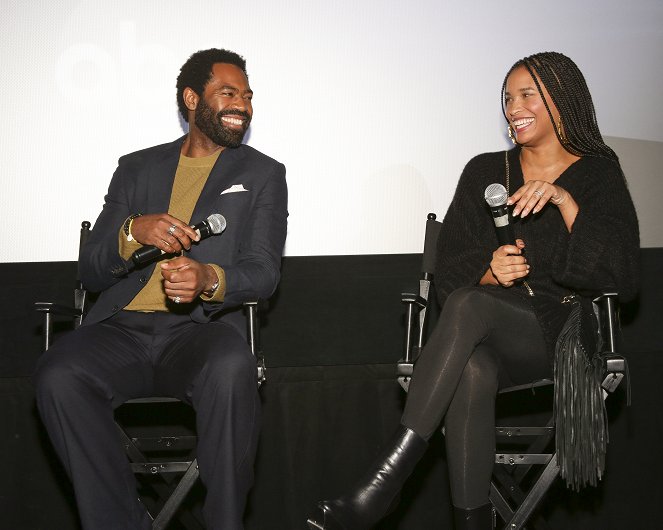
(249, 250)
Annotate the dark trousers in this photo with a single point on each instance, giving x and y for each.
(86, 374)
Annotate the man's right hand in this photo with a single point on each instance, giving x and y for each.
(163, 231)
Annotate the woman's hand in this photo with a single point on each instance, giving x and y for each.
(534, 195)
(509, 264)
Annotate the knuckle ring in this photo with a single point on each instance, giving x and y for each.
(172, 229)
(538, 192)
(177, 299)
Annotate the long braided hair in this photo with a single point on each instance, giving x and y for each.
(579, 132)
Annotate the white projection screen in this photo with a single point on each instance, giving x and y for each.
(374, 106)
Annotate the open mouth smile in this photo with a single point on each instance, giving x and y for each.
(522, 123)
(230, 120)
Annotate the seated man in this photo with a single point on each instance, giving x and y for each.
(173, 328)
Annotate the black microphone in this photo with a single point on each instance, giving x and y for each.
(496, 197)
(214, 224)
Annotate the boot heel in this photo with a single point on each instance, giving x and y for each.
(374, 495)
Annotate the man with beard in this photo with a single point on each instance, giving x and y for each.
(175, 327)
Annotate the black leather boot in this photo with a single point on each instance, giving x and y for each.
(481, 518)
(372, 496)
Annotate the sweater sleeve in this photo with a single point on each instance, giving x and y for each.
(466, 241)
(601, 253)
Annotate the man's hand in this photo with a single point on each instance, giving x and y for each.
(185, 278)
(163, 231)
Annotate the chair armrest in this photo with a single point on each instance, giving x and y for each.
(615, 369)
(252, 309)
(604, 296)
(57, 309)
(49, 309)
(606, 310)
(411, 298)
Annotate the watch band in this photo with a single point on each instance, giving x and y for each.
(127, 225)
(210, 292)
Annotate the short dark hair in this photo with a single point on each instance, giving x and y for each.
(197, 71)
(570, 94)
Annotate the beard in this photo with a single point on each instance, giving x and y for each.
(212, 126)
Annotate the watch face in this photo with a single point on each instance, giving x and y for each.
(127, 223)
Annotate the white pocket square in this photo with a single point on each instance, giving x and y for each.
(234, 189)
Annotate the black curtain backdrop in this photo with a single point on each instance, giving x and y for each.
(331, 337)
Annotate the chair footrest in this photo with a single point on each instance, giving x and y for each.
(516, 459)
(156, 468)
(523, 431)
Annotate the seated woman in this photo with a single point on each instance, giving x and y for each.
(576, 232)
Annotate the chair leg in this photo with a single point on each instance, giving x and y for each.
(524, 511)
(167, 489)
(503, 507)
(176, 498)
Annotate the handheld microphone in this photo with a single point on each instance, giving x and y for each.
(496, 197)
(214, 224)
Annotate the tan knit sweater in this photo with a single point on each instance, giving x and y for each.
(190, 179)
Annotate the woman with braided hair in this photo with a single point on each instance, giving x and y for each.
(576, 233)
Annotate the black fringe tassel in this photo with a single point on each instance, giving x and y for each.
(580, 414)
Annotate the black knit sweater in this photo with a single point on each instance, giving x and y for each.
(600, 254)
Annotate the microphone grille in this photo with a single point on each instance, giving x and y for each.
(217, 223)
(496, 195)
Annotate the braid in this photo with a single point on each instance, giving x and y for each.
(568, 90)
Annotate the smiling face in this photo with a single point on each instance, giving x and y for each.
(526, 111)
(224, 111)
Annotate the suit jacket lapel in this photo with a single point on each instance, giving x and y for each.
(219, 179)
(162, 176)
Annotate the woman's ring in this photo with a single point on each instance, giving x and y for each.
(538, 192)
(177, 299)
(172, 229)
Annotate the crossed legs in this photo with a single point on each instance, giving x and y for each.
(482, 339)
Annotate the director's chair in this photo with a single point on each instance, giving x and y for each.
(522, 474)
(158, 453)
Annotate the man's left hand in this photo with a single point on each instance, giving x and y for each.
(185, 278)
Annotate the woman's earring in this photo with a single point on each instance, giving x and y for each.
(511, 134)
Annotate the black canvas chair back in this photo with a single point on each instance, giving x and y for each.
(417, 304)
(162, 456)
(525, 460)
